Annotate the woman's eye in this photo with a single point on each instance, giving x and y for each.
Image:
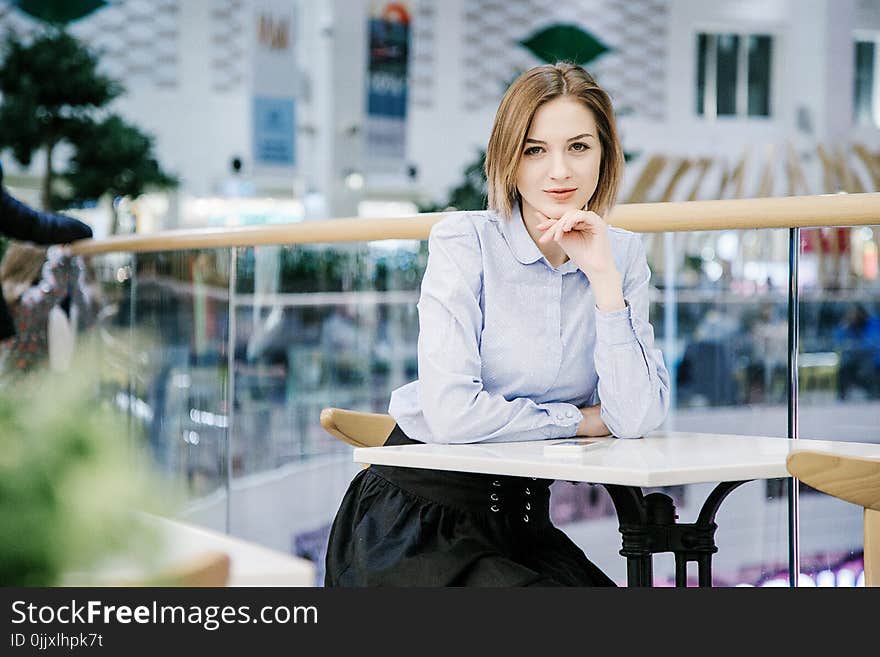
(579, 147)
(533, 150)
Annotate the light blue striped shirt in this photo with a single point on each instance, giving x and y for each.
(510, 347)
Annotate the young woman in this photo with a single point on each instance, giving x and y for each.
(533, 324)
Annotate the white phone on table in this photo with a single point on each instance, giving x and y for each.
(571, 447)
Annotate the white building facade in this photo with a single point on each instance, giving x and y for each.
(194, 71)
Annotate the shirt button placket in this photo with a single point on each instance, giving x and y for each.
(560, 286)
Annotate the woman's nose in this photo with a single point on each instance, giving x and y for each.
(559, 167)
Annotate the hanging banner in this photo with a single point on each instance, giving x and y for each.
(387, 66)
(273, 107)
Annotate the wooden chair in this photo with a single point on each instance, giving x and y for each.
(357, 428)
(207, 569)
(850, 478)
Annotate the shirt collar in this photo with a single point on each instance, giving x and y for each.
(521, 243)
(523, 246)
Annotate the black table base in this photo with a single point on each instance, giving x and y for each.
(648, 525)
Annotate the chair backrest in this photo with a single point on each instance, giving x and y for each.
(357, 428)
(207, 569)
(850, 478)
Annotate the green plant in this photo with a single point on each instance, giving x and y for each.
(70, 482)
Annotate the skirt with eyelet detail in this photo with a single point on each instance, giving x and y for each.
(418, 527)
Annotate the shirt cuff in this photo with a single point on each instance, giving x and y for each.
(564, 419)
(615, 327)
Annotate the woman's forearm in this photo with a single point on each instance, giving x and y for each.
(608, 291)
(592, 424)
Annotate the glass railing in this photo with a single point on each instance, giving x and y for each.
(224, 357)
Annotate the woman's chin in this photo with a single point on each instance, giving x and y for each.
(555, 210)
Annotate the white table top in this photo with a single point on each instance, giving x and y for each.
(660, 459)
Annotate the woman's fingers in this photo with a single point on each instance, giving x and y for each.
(582, 220)
(547, 236)
(545, 222)
(571, 220)
(565, 224)
(560, 230)
(593, 219)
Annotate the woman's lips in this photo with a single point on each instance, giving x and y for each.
(560, 194)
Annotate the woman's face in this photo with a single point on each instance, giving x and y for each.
(559, 168)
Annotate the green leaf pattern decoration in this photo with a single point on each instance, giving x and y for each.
(567, 43)
(58, 12)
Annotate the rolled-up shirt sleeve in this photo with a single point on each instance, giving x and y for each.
(633, 380)
(456, 406)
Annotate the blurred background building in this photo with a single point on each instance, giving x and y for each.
(279, 111)
(366, 103)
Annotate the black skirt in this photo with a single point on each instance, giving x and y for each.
(418, 527)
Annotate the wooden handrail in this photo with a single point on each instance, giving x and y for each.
(738, 214)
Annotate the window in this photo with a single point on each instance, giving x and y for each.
(733, 74)
(866, 104)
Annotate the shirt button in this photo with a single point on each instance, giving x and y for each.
(559, 416)
(569, 414)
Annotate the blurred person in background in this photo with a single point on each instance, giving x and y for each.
(857, 340)
(20, 222)
(45, 292)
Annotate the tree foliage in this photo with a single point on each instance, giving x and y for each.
(54, 94)
(112, 157)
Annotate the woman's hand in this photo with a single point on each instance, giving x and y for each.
(583, 235)
(591, 423)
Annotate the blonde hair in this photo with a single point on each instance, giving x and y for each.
(21, 266)
(514, 117)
